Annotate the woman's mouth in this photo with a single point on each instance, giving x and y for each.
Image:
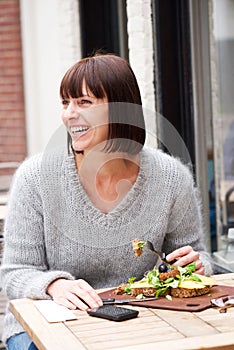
(77, 130)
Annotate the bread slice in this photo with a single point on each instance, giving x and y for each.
(188, 293)
(138, 288)
(186, 289)
(189, 288)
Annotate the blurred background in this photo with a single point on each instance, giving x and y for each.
(182, 54)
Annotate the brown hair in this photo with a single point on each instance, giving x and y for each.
(108, 75)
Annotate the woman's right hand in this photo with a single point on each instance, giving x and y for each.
(74, 294)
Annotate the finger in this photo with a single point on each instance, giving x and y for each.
(81, 305)
(65, 302)
(88, 294)
(72, 301)
(200, 271)
(83, 298)
(176, 254)
(199, 268)
(77, 301)
(198, 264)
(187, 259)
(96, 297)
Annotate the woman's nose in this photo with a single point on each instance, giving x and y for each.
(72, 110)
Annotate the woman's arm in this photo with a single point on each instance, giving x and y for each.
(24, 270)
(184, 240)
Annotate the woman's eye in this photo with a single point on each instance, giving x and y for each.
(65, 103)
(85, 102)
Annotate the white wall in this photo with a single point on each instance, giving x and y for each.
(51, 43)
(140, 43)
(223, 21)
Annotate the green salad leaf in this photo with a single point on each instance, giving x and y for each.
(195, 278)
(152, 277)
(128, 289)
(141, 244)
(131, 279)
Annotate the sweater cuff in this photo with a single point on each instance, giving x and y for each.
(39, 285)
(207, 264)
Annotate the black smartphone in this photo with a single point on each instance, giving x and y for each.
(113, 313)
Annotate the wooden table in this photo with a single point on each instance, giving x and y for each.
(153, 328)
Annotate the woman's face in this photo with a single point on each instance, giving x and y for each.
(86, 120)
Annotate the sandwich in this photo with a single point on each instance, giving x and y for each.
(167, 280)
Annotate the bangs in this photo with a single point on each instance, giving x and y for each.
(72, 82)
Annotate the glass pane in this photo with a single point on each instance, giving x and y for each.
(223, 12)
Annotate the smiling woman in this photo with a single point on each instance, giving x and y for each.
(96, 80)
(73, 214)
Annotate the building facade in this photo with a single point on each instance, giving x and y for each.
(180, 51)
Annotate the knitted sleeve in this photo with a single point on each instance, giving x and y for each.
(24, 270)
(185, 222)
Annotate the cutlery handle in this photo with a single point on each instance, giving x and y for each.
(109, 301)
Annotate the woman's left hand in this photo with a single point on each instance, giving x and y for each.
(185, 256)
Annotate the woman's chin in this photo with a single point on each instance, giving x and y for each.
(78, 147)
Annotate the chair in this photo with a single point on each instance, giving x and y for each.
(229, 203)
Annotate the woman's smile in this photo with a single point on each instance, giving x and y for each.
(79, 131)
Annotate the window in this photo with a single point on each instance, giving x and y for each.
(104, 26)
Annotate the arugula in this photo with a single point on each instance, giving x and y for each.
(131, 279)
(141, 244)
(195, 278)
(152, 277)
(161, 291)
(128, 289)
(187, 270)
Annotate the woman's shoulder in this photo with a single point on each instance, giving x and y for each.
(32, 167)
(25, 179)
(168, 164)
(29, 166)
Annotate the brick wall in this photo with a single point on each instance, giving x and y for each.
(12, 114)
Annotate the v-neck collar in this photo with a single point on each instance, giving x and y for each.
(81, 202)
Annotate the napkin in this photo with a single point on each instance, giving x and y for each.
(54, 312)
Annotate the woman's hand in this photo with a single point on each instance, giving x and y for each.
(74, 294)
(185, 256)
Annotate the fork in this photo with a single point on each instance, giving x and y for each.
(161, 255)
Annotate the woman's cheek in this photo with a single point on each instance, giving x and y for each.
(64, 119)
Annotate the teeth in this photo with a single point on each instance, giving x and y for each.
(77, 129)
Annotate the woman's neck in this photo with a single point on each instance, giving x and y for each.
(107, 177)
(106, 164)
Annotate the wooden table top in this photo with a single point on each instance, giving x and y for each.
(153, 328)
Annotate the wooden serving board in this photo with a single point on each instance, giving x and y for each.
(180, 304)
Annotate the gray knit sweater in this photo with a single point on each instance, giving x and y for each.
(52, 229)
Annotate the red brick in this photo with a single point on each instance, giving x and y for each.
(12, 115)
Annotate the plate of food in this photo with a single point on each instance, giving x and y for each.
(170, 287)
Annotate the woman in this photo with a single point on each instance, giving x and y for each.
(72, 215)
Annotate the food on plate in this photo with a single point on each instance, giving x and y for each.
(168, 280)
(179, 282)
